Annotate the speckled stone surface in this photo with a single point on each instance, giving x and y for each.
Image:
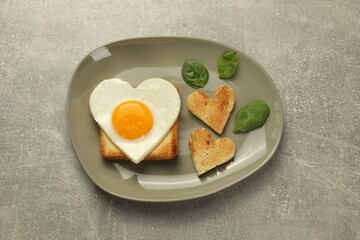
(309, 190)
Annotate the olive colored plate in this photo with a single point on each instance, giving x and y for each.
(136, 60)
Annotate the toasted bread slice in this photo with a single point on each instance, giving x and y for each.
(208, 153)
(213, 112)
(167, 148)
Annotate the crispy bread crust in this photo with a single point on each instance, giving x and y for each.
(213, 112)
(208, 153)
(167, 149)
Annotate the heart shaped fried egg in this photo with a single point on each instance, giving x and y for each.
(135, 119)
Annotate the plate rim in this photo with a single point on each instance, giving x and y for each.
(195, 196)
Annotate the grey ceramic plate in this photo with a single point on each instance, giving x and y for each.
(136, 60)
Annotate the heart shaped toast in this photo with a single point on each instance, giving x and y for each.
(208, 153)
(214, 112)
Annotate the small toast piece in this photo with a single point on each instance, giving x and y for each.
(208, 153)
(213, 112)
(166, 150)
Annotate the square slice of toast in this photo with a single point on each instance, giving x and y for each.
(167, 149)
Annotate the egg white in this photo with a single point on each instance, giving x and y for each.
(160, 96)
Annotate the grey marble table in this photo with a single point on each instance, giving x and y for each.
(309, 190)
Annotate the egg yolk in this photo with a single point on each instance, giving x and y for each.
(132, 119)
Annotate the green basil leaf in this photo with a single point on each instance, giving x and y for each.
(227, 64)
(194, 73)
(253, 115)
